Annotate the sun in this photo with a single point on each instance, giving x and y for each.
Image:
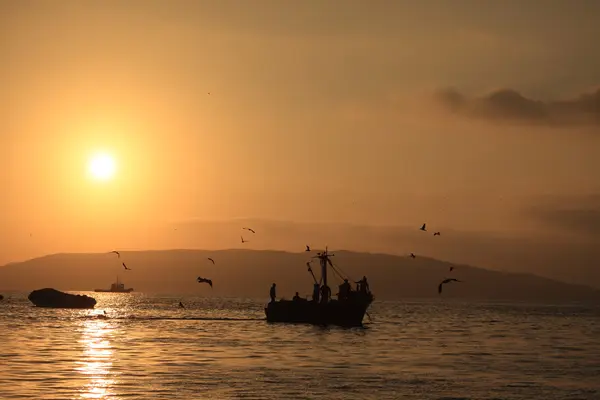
(102, 167)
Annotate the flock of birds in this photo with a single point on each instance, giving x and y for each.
(199, 279)
(123, 264)
(210, 282)
(446, 280)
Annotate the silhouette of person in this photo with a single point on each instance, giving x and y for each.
(316, 290)
(365, 285)
(344, 290)
(273, 293)
(296, 297)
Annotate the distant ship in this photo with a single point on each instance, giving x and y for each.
(347, 310)
(116, 287)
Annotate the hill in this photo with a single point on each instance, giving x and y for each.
(249, 273)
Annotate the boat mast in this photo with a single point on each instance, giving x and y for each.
(324, 259)
(324, 268)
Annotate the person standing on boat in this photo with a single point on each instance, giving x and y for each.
(344, 290)
(273, 293)
(316, 290)
(325, 293)
(363, 285)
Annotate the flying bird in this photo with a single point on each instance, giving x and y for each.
(307, 248)
(244, 241)
(412, 255)
(447, 280)
(213, 261)
(249, 229)
(423, 228)
(437, 234)
(204, 280)
(117, 253)
(125, 266)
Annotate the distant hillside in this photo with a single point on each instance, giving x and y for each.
(249, 273)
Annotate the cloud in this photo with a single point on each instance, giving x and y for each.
(580, 216)
(508, 105)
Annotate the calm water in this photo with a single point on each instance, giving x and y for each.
(223, 349)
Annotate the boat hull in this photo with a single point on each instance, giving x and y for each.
(341, 313)
(113, 291)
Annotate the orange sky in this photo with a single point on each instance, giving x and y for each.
(316, 112)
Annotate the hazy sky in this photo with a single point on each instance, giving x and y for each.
(472, 114)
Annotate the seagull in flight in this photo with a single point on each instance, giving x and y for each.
(117, 253)
(125, 266)
(244, 241)
(447, 280)
(307, 248)
(437, 234)
(249, 229)
(204, 280)
(423, 228)
(213, 261)
(412, 255)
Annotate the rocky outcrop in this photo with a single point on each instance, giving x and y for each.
(53, 298)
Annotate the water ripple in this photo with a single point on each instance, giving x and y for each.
(146, 347)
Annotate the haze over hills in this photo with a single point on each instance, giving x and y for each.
(249, 273)
(555, 254)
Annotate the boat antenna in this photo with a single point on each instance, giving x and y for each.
(311, 272)
(324, 258)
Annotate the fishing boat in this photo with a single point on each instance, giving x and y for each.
(347, 310)
(117, 287)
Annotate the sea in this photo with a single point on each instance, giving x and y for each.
(147, 347)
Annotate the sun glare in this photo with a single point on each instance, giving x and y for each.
(102, 167)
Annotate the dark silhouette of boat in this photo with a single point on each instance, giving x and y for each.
(347, 310)
(52, 298)
(116, 287)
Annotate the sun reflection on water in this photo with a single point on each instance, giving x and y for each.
(97, 359)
